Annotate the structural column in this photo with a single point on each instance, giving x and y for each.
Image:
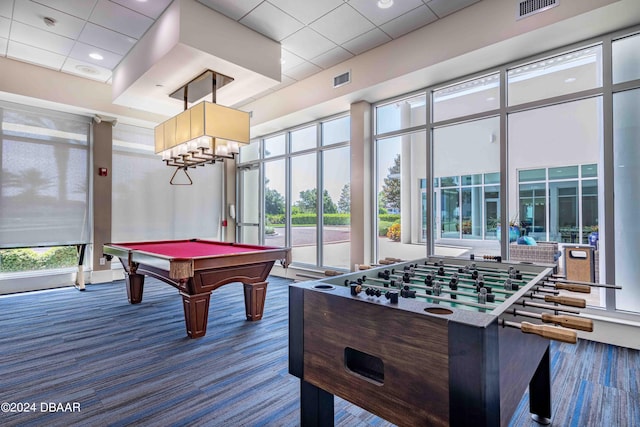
(102, 190)
(361, 184)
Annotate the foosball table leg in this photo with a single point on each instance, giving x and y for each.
(316, 406)
(540, 392)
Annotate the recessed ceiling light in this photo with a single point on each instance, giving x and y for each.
(385, 4)
(96, 56)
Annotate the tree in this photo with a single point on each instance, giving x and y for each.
(273, 202)
(344, 204)
(308, 202)
(391, 186)
(328, 206)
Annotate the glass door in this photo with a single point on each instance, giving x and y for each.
(248, 213)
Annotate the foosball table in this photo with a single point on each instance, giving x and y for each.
(438, 341)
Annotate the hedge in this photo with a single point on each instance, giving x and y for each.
(389, 217)
(310, 219)
(337, 219)
(26, 259)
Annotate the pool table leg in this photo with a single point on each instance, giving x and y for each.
(196, 313)
(254, 296)
(135, 286)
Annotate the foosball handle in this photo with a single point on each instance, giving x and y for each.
(550, 332)
(584, 289)
(331, 273)
(571, 302)
(572, 322)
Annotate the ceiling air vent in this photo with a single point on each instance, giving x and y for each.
(531, 7)
(342, 79)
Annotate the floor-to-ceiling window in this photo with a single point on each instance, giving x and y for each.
(400, 172)
(626, 163)
(521, 152)
(466, 165)
(555, 139)
(336, 192)
(305, 192)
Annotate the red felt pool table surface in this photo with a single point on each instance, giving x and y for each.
(192, 248)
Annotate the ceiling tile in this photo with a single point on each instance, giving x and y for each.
(342, 24)
(443, 8)
(33, 14)
(232, 9)
(78, 8)
(366, 41)
(112, 41)
(5, 24)
(3, 46)
(379, 16)
(303, 71)
(120, 19)
(332, 57)
(85, 70)
(152, 9)
(290, 60)
(34, 55)
(307, 11)
(307, 44)
(271, 21)
(408, 22)
(81, 52)
(6, 8)
(31, 36)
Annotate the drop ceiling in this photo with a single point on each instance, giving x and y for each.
(90, 38)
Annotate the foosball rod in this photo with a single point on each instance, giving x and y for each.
(554, 308)
(444, 289)
(571, 302)
(497, 287)
(484, 306)
(433, 297)
(580, 282)
(446, 284)
(573, 322)
(398, 284)
(485, 270)
(571, 287)
(545, 331)
(504, 275)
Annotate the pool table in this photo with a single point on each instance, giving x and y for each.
(197, 267)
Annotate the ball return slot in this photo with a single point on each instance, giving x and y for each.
(364, 365)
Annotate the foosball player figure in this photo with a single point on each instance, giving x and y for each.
(407, 293)
(453, 285)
